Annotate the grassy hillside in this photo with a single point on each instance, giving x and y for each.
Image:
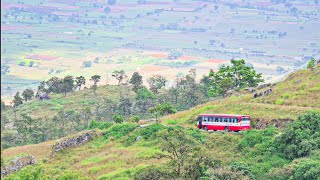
(297, 94)
(73, 101)
(117, 154)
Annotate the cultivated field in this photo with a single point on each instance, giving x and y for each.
(45, 38)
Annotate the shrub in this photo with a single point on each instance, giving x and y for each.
(117, 118)
(150, 132)
(100, 125)
(152, 173)
(134, 119)
(119, 130)
(301, 137)
(171, 122)
(279, 102)
(253, 137)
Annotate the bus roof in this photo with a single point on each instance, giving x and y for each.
(226, 115)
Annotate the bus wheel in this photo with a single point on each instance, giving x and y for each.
(205, 128)
(226, 129)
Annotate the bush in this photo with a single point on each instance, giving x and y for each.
(134, 119)
(150, 132)
(117, 118)
(100, 125)
(171, 122)
(120, 130)
(253, 137)
(279, 102)
(152, 173)
(301, 137)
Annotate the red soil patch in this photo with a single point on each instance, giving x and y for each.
(187, 58)
(217, 60)
(41, 57)
(159, 55)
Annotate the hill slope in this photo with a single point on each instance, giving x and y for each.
(117, 154)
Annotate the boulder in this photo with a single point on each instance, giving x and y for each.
(73, 141)
(16, 164)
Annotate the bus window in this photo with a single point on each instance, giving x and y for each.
(210, 119)
(245, 119)
(236, 120)
(224, 119)
(216, 120)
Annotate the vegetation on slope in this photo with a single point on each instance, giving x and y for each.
(291, 153)
(270, 153)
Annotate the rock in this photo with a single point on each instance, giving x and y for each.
(73, 141)
(138, 138)
(17, 163)
(264, 86)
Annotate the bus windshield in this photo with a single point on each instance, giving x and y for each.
(245, 119)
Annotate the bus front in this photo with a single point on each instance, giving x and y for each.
(245, 123)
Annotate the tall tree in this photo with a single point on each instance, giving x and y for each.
(95, 79)
(234, 77)
(157, 82)
(86, 114)
(54, 85)
(27, 94)
(119, 75)
(17, 100)
(162, 109)
(124, 106)
(136, 81)
(67, 84)
(80, 81)
(24, 127)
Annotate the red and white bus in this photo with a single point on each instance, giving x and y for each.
(226, 122)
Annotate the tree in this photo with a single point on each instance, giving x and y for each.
(188, 157)
(86, 113)
(124, 106)
(117, 118)
(311, 63)
(67, 84)
(24, 127)
(162, 109)
(234, 77)
(157, 82)
(17, 100)
(107, 10)
(3, 106)
(145, 99)
(300, 137)
(95, 79)
(54, 85)
(119, 75)
(112, 2)
(136, 81)
(80, 81)
(134, 119)
(27, 94)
